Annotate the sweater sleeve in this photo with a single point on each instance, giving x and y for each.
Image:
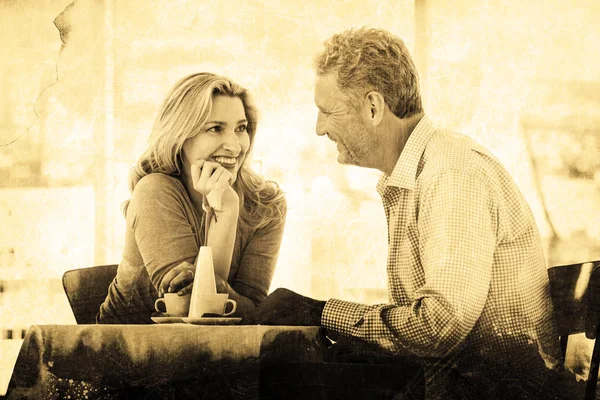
(162, 229)
(258, 261)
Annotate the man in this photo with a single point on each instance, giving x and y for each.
(467, 280)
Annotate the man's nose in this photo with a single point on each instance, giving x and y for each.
(321, 127)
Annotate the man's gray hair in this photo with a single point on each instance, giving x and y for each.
(372, 59)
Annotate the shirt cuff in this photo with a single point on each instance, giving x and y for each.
(343, 317)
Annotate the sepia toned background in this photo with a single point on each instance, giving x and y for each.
(80, 82)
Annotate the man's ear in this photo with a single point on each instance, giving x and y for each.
(374, 108)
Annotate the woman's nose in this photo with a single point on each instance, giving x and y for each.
(232, 143)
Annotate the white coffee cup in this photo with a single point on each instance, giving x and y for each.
(211, 304)
(174, 304)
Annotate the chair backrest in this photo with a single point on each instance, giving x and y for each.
(86, 289)
(569, 285)
(575, 291)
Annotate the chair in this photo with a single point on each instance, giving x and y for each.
(575, 290)
(86, 289)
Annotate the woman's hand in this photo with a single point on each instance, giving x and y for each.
(180, 279)
(222, 284)
(214, 182)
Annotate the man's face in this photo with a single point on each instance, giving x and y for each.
(343, 125)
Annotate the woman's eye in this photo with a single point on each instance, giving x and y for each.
(241, 128)
(215, 128)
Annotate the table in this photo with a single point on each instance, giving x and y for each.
(163, 361)
(180, 361)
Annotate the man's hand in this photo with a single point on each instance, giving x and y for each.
(284, 307)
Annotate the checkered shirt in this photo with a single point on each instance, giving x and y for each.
(466, 270)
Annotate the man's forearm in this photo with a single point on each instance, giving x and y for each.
(398, 329)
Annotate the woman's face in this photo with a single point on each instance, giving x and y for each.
(223, 138)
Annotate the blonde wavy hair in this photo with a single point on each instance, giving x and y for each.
(369, 59)
(185, 109)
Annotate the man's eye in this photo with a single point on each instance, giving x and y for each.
(241, 128)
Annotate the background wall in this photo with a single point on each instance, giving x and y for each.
(81, 82)
(523, 78)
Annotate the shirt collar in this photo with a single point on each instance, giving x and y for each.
(405, 171)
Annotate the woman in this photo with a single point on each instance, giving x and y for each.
(199, 144)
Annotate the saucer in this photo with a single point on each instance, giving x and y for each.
(212, 320)
(167, 319)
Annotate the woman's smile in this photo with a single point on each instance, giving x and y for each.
(227, 162)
